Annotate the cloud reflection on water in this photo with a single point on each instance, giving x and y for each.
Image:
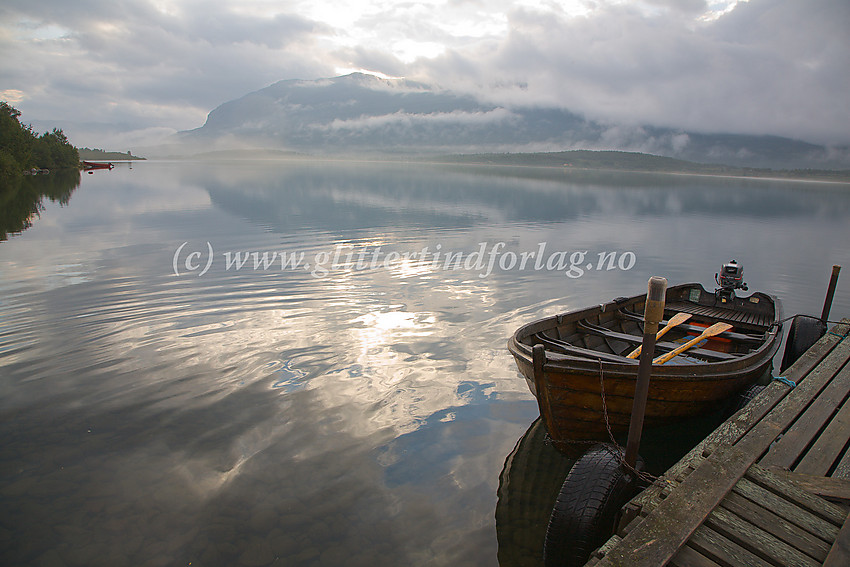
(243, 413)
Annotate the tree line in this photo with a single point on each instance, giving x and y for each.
(22, 149)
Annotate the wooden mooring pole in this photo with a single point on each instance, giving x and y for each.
(652, 316)
(830, 292)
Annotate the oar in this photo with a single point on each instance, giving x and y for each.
(715, 329)
(677, 319)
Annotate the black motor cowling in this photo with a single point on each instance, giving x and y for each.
(730, 278)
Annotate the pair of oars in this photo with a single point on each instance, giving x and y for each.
(678, 319)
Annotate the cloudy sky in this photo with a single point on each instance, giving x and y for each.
(120, 73)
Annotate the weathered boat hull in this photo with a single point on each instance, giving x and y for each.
(586, 385)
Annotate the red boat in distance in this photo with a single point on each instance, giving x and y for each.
(89, 165)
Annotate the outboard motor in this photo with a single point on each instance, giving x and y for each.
(730, 278)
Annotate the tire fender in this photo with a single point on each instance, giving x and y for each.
(805, 331)
(743, 398)
(589, 503)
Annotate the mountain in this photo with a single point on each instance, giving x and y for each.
(361, 113)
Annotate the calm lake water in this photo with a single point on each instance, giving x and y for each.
(173, 392)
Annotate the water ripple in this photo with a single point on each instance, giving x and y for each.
(157, 418)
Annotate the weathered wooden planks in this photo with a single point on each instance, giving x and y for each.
(758, 319)
(830, 444)
(787, 450)
(831, 488)
(806, 500)
(788, 509)
(839, 555)
(718, 507)
(737, 426)
(710, 543)
(690, 557)
(767, 520)
(757, 541)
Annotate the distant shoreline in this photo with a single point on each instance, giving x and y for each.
(567, 161)
(766, 177)
(634, 162)
(101, 155)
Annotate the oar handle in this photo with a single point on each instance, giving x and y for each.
(675, 320)
(715, 329)
(676, 351)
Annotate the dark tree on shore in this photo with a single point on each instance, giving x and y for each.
(22, 149)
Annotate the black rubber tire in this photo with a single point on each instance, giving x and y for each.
(591, 497)
(805, 331)
(746, 396)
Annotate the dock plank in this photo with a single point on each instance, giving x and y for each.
(689, 557)
(829, 447)
(788, 450)
(831, 488)
(774, 524)
(839, 555)
(814, 504)
(714, 545)
(757, 541)
(803, 519)
(842, 469)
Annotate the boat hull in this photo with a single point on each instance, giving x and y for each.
(87, 165)
(583, 392)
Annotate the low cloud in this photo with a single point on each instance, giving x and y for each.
(128, 62)
(766, 67)
(760, 67)
(402, 118)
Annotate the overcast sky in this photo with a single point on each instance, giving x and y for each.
(153, 67)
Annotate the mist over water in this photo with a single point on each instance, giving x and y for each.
(357, 414)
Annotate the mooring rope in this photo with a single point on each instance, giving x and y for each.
(785, 380)
(842, 337)
(827, 322)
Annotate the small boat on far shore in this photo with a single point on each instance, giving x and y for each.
(586, 381)
(97, 165)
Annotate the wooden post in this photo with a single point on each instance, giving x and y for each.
(652, 316)
(830, 292)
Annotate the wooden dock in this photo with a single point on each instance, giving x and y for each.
(770, 487)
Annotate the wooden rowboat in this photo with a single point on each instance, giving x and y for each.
(96, 165)
(586, 356)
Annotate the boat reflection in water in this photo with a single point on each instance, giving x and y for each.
(528, 486)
